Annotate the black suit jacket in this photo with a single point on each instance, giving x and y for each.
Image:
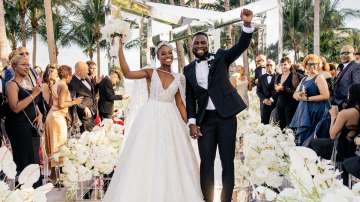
(78, 89)
(264, 89)
(224, 96)
(258, 72)
(107, 96)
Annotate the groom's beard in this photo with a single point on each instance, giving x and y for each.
(203, 57)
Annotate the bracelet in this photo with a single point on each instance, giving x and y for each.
(32, 97)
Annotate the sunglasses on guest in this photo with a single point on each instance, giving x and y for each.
(345, 53)
(312, 64)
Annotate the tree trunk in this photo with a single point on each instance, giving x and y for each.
(245, 53)
(33, 32)
(22, 28)
(281, 28)
(228, 28)
(179, 46)
(317, 27)
(50, 32)
(98, 58)
(3, 54)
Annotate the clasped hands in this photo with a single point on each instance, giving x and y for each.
(267, 101)
(195, 132)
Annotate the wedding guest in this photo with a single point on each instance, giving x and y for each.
(313, 96)
(24, 118)
(94, 78)
(349, 73)
(240, 82)
(344, 124)
(266, 92)
(351, 166)
(357, 57)
(324, 71)
(285, 86)
(260, 67)
(39, 71)
(332, 71)
(107, 94)
(49, 79)
(55, 125)
(81, 86)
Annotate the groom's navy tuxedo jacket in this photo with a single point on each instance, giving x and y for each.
(224, 96)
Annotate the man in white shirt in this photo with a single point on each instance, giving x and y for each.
(212, 104)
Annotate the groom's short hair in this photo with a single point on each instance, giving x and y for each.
(201, 34)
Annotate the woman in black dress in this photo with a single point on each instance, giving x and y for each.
(24, 117)
(285, 86)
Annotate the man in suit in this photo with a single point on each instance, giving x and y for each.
(260, 70)
(357, 57)
(107, 94)
(349, 73)
(95, 80)
(81, 86)
(266, 92)
(212, 104)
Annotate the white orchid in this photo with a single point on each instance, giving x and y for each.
(29, 175)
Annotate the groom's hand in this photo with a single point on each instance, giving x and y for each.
(246, 16)
(195, 131)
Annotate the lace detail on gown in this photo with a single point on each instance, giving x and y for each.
(157, 162)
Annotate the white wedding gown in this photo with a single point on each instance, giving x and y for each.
(157, 163)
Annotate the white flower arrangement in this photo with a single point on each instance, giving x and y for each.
(92, 155)
(24, 192)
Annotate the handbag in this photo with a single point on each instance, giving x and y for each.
(74, 123)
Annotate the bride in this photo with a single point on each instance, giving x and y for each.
(157, 163)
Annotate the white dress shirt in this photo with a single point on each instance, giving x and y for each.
(84, 82)
(202, 76)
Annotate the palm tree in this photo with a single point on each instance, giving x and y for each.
(2, 31)
(50, 32)
(36, 13)
(92, 14)
(317, 27)
(22, 7)
(12, 24)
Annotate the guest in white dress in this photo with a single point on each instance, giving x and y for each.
(241, 83)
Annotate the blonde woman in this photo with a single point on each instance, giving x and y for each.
(313, 96)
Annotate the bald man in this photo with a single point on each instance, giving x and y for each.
(349, 73)
(81, 86)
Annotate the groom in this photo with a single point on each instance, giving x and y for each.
(212, 104)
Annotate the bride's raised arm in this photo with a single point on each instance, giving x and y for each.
(140, 74)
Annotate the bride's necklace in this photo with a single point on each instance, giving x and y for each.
(161, 70)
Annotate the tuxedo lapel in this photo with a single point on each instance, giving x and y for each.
(342, 73)
(192, 73)
(211, 65)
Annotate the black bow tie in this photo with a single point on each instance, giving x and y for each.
(198, 60)
(83, 79)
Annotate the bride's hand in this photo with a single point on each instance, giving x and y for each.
(195, 131)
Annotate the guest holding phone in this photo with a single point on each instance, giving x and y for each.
(24, 119)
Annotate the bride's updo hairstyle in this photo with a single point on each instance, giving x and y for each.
(160, 45)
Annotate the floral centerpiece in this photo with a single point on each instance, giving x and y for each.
(92, 155)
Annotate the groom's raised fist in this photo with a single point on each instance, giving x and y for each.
(246, 16)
